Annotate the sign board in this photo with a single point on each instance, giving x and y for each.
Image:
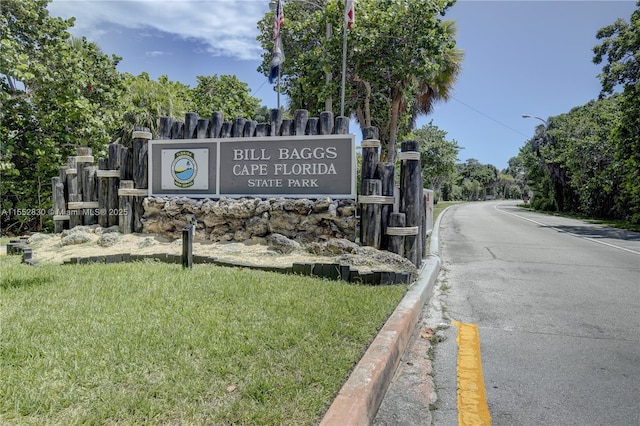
(291, 167)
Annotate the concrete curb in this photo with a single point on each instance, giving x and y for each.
(360, 397)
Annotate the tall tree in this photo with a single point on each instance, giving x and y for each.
(620, 48)
(438, 155)
(57, 93)
(399, 54)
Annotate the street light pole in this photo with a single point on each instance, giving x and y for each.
(536, 117)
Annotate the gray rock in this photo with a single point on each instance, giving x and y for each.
(281, 244)
(109, 239)
(75, 238)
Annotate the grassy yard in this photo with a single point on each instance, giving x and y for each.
(155, 344)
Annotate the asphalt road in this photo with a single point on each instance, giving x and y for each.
(557, 305)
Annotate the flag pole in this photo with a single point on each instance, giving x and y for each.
(344, 68)
(349, 19)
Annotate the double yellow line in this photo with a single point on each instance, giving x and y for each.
(472, 397)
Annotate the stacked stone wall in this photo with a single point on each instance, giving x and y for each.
(244, 219)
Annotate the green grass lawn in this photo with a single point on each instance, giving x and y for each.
(155, 344)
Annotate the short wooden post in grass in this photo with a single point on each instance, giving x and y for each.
(187, 245)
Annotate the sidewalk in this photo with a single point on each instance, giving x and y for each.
(361, 396)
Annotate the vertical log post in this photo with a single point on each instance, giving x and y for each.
(287, 127)
(370, 145)
(276, 121)
(371, 208)
(326, 123)
(238, 127)
(262, 130)
(225, 132)
(164, 130)
(114, 166)
(249, 129)
(187, 245)
(395, 231)
(59, 214)
(342, 125)
(312, 126)
(385, 172)
(140, 146)
(125, 223)
(410, 198)
(103, 193)
(217, 119)
(190, 125)
(300, 120)
(203, 128)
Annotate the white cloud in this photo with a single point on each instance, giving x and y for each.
(228, 27)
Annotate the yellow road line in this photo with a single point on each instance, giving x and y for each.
(472, 397)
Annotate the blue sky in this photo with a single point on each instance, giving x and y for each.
(521, 57)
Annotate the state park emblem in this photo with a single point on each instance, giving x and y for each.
(184, 169)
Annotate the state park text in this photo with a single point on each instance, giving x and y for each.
(295, 167)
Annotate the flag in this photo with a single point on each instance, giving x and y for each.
(349, 13)
(278, 53)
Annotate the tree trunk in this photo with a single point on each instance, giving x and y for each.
(393, 127)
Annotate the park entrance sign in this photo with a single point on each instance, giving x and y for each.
(291, 167)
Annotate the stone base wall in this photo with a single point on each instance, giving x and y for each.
(243, 219)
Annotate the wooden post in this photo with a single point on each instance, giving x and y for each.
(238, 127)
(342, 125)
(190, 125)
(140, 148)
(177, 130)
(326, 123)
(312, 126)
(103, 193)
(371, 233)
(59, 213)
(397, 223)
(370, 145)
(164, 130)
(262, 130)
(217, 119)
(75, 215)
(286, 128)
(125, 207)
(72, 178)
(385, 172)
(203, 128)
(300, 120)
(276, 121)
(410, 195)
(249, 129)
(225, 132)
(89, 194)
(187, 246)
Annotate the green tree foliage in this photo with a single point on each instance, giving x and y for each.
(226, 94)
(438, 155)
(620, 48)
(57, 93)
(401, 59)
(588, 160)
(146, 100)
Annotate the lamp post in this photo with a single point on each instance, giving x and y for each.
(328, 103)
(536, 117)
